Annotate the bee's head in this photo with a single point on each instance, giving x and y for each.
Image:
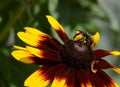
(83, 38)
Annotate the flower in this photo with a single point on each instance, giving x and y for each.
(72, 64)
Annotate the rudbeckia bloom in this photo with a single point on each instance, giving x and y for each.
(74, 63)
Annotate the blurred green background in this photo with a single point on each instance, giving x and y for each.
(87, 15)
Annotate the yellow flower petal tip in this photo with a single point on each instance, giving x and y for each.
(23, 56)
(20, 34)
(30, 29)
(116, 69)
(54, 23)
(117, 53)
(92, 66)
(37, 79)
(96, 39)
(15, 55)
(20, 48)
(27, 28)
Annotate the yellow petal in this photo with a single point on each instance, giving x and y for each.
(29, 38)
(35, 38)
(38, 34)
(58, 28)
(60, 77)
(96, 39)
(19, 48)
(35, 32)
(116, 69)
(58, 83)
(37, 52)
(37, 79)
(54, 23)
(23, 56)
(71, 79)
(92, 66)
(116, 53)
(43, 54)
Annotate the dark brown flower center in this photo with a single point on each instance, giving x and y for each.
(77, 54)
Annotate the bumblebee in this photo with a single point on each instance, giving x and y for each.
(83, 38)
